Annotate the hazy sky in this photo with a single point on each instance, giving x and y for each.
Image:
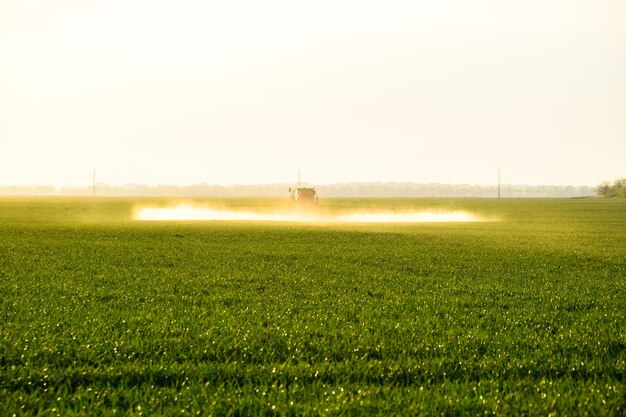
(224, 92)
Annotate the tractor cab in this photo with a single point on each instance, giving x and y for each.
(303, 197)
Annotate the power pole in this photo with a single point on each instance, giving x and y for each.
(499, 186)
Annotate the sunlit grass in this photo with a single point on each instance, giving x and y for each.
(523, 316)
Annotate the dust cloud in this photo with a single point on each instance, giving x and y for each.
(188, 212)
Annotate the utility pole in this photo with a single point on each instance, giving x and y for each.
(499, 183)
(298, 177)
(94, 181)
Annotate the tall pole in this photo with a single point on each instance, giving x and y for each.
(499, 183)
(94, 181)
(298, 177)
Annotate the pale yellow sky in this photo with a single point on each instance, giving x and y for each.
(184, 92)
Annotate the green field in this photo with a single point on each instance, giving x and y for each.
(522, 315)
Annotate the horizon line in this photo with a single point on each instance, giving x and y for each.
(268, 184)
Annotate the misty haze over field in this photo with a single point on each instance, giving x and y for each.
(344, 190)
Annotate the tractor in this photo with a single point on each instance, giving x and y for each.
(303, 198)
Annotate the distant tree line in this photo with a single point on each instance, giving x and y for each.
(616, 189)
(343, 190)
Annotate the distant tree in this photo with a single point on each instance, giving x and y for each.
(617, 189)
(602, 190)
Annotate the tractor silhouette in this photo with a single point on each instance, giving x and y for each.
(303, 198)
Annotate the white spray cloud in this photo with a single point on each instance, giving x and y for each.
(189, 212)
